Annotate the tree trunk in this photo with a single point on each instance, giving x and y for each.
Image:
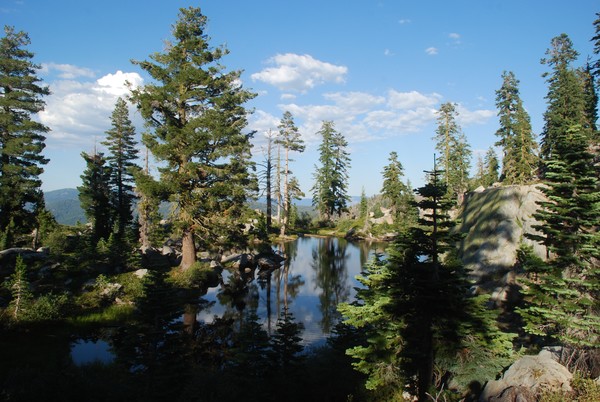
(269, 202)
(286, 195)
(188, 249)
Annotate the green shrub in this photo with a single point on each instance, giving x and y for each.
(48, 307)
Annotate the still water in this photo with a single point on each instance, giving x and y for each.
(317, 275)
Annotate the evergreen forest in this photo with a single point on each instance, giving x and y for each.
(421, 325)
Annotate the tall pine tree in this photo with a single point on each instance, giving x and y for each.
(21, 137)
(122, 150)
(397, 192)
(95, 196)
(455, 153)
(196, 111)
(416, 308)
(565, 98)
(291, 141)
(331, 178)
(519, 160)
(562, 292)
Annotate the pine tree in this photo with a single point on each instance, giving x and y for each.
(331, 177)
(21, 137)
(562, 292)
(519, 160)
(455, 153)
(397, 192)
(364, 205)
(196, 111)
(149, 194)
(19, 286)
(291, 141)
(590, 97)
(121, 145)
(491, 167)
(565, 98)
(95, 196)
(416, 308)
(286, 347)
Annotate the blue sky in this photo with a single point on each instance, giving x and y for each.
(378, 68)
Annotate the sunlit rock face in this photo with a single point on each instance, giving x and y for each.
(494, 222)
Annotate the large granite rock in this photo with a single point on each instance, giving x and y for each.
(527, 378)
(494, 222)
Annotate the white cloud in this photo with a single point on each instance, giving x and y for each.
(365, 117)
(455, 37)
(468, 117)
(411, 100)
(388, 52)
(293, 72)
(432, 51)
(116, 84)
(404, 21)
(356, 102)
(78, 111)
(397, 123)
(287, 96)
(66, 71)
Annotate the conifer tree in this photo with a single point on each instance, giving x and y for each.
(416, 309)
(565, 98)
(562, 292)
(291, 141)
(364, 204)
(331, 177)
(196, 111)
(95, 196)
(20, 292)
(397, 192)
(519, 160)
(455, 153)
(491, 166)
(21, 136)
(121, 145)
(590, 97)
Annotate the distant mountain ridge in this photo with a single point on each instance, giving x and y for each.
(64, 205)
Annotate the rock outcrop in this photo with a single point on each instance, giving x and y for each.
(527, 378)
(494, 221)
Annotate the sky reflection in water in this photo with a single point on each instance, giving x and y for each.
(319, 273)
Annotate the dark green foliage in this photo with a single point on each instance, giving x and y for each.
(562, 293)
(561, 296)
(286, 348)
(455, 153)
(565, 98)
(417, 311)
(519, 160)
(491, 167)
(195, 109)
(151, 347)
(398, 193)
(364, 205)
(330, 190)
(95, 196)
(21, 137)
(19, 287)
(121, 162)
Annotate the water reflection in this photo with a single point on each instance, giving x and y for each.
(316, 275)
